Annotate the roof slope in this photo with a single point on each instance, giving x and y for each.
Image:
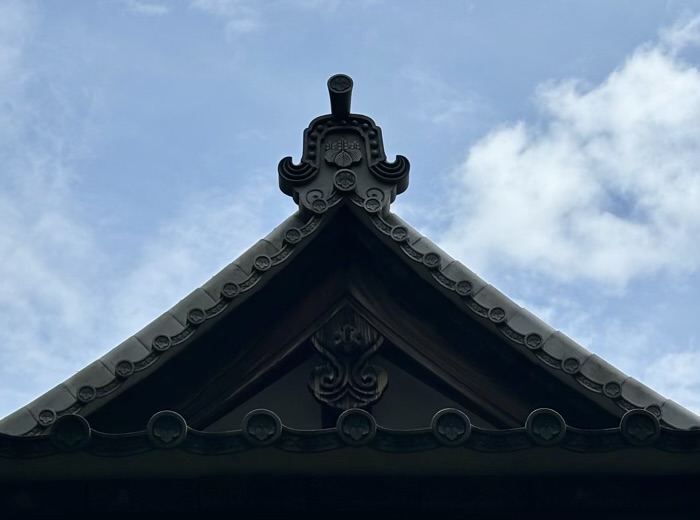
(343, 164)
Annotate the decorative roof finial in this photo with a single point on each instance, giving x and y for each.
(340, 91)
(343, 160)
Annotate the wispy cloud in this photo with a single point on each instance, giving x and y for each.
(239, 16)
(435, 100)
(146, 8)
(605, 188)
(208, 232)
(682, 34)
(678, 374)
(43, 244)
(61, 306)
(248, 16)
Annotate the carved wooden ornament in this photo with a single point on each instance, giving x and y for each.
(347, 380)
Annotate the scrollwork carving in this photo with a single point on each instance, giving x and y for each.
(394, 172)
(347, 380)
(291, 174)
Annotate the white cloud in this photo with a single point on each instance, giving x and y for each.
(61, 306)
(604, 188)
(682, 34)
(146, 8)
(209, 232)
(43, 245)
(677, 374)
(239, 16)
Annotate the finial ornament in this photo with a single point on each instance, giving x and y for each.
(343, 160)
(340, 91)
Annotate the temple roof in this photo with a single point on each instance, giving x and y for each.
(344, 171)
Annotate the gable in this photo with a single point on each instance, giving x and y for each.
(344, 327)
(446, 341)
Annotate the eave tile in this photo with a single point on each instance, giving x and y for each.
(276, 236)
(165, 324)
(562, 347)
(424, 245)
(600, 371)
(524, 322)
(261, 247)
(196, 299)
(230, 273)
(57, 399)
(394, 220)
(458, 272)
(678, 417)
(18, 423)
(96, 374)
(130, 350)
(492, 298)
(641, 395)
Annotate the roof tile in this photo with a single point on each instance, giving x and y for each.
(57, 399)
(261, 247)
(491, 298)
(562, 347)
(458, 271)
(424, 245)
(196, 299)
(394, 220)
(600, 371)
(165, 324)
(96, 374)
(131, 350)
(276, 236)
(18, 423)
(639, 394)
(525, 323)
(230, 273)
(678, 417)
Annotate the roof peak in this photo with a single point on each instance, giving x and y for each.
(343, 159)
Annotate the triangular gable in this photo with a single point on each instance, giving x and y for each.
(344, 185)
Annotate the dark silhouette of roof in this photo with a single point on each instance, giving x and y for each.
(344, 168)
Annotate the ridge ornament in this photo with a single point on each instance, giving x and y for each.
(337, 142)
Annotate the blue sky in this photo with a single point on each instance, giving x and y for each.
(555, 150)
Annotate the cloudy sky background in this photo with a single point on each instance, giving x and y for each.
(555, 150)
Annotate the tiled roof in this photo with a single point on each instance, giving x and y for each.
(343, 164)
(519, 327)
